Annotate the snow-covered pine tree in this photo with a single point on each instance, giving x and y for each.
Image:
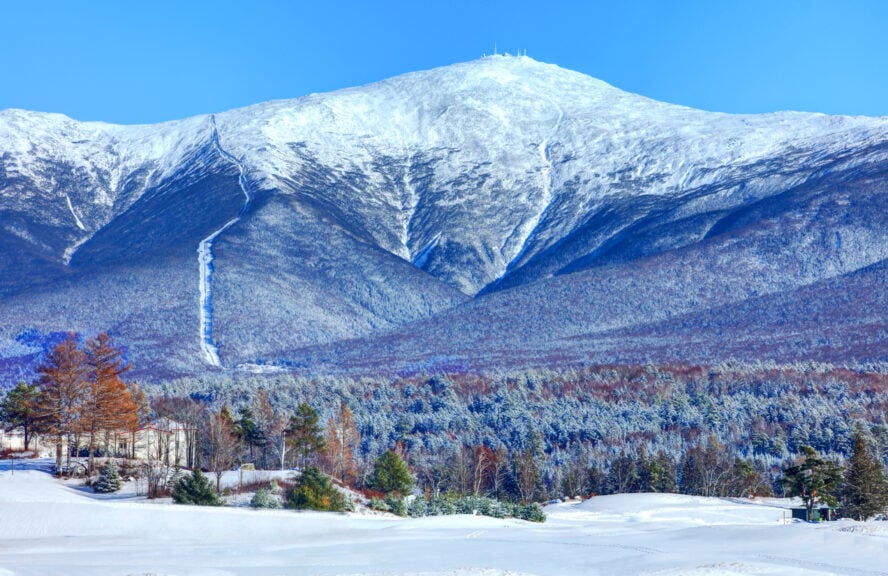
(865, 492)
(263, 498)
(108, 480)
(195, 489)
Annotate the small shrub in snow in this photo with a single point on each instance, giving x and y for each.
(451, 504)
(263, 498)
(441, 506)
(314, 491)
(109, 479)
(379, 504)
(195, 489)
(396, 505)
(417, 508)
(533, 513)
(275, 487)
(466, 505)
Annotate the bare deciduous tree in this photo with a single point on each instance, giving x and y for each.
(343, 439)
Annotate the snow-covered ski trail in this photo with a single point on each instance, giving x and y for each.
(74, 214)
(409, 202)
(529, 227)
(70, 250)
(205, 256)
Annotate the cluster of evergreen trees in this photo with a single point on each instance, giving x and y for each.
(761, 414)
(860, 489)
(532, 436)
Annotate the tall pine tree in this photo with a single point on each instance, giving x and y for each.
(814, 479)
(107, 407)
(865, 492)
(304, 434)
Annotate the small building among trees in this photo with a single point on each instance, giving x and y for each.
(163, 440)
(818, 514)
(14, 440)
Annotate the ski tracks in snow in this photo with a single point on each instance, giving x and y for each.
(817, 566)
(205, 256)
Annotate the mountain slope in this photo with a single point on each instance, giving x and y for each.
(491, 211)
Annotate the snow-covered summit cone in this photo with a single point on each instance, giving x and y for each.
(471, 170)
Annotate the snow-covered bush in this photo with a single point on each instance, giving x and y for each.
(396, 505)
(441, 506)
(108, 480)
(314, 491)
(263, 498)
(417, 508)
(533, 513)
(195, 489)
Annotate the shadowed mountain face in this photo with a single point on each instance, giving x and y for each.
(501, 213)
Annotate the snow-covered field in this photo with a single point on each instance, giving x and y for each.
(50, 527)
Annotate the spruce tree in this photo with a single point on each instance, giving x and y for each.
(305, 434)
(391, 475)
(195, 489)
(314, 491)
(19, 409)
(865, 492)
(108, 480)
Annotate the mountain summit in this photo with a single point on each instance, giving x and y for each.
(496, 213)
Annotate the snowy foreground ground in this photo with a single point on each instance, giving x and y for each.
(49, 527)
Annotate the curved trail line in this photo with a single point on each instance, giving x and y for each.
(530, 226)
(74, 214)
(205, 256)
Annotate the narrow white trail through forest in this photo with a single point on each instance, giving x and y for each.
(74, 214)
(205, 258)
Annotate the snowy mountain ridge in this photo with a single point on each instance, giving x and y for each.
(440, 186)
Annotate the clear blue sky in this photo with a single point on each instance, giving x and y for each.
(156, 60)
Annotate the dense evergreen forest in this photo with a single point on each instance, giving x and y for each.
(594, 430)
(726, 430)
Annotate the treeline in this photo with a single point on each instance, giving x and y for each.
(534, 435)
(581, 423)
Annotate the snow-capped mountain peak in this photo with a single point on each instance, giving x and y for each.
(375, 206)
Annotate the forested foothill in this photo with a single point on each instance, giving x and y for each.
(726, 430)
(471, 441)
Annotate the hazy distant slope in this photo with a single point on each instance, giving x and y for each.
(498, 211)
